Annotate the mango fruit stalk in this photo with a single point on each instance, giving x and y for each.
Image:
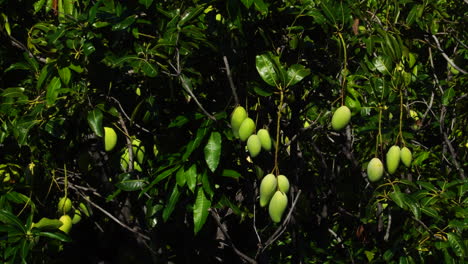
(237, 117)
(254, 146)
(393, 159)
(277, 206)
(341, 118)
(375, 170)
(268, 187)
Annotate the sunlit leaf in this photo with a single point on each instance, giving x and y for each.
(95, 121)
(200, 210)
(213, 151)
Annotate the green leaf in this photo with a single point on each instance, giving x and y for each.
(200, 210)
(296, 73)
(65, 75)
(266, 69)
(383, 64)
(130, 185)
(53, 90)
(457, 244)
(247, 3)
(414, 206)
(205, 179)
(190, 14)
(180, 177)
(95, 121)
(430, 212)
(195, 143)
(38, 5)
(231, 174)
(160, 177)
(22, 127)
(47, 223)
(148, 68)
(170, 205)
(124, 23)
(18, 198)
(191, 177)
(213, 151)
(58, 236)
(399, 198)
(447, 96)
(146, 3)
(10, 219)
(13, 92)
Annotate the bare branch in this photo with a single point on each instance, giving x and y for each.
(231, 82)
(447, 58)
(217, 218)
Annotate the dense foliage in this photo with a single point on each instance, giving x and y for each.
(179, 187)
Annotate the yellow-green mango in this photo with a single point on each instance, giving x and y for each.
(341, 118)
(110, 138)
(254, 146)
(246, 129)
(125, 160)
(138, 151)
(406, 156)
(393, 159)
(237, 117)
(64, 205)
(268, 187)
(277, 206)
(375, 170)
(265, 139)
(283, 183)
(67, 223)
(76, 216)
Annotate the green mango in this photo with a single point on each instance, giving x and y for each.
(283, 183)
(406, 156)
(246, 129)
(393, 159)
(47, 223)
(110, 138)
(265, 139)
(341, 118)
(375, 170)
(277, 206)
(254, 146)
(268, 187)
(237, 117)
(64, 205)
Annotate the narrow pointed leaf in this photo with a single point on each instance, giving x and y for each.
(95, 122)
(213, 151)
(200, 210)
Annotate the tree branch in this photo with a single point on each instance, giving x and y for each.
(231, 82)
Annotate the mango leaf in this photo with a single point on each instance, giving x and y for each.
(383, 64)
(191, 177)
(266, 69)
(22, 128)
(200, 210)
(247, 3)
(296, 73)
(146, 3)
(13, 92)
(59, 236)
(447, 96)
(10, 219)
(180, 177)
(130, 185)
(201, 133)
(170, 205)
(457, 244)
(213, 151)
(399, 198)
(47, 223)
(166, 173)
(206, 184)
(430, 212)
(53, 90)
(231, 174)
(65, 75)
(190, 14)
(95, 122)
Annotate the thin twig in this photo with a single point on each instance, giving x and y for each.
(129, 144)
(113, 217)
(20, 45)
(283, 225)
(231, 82)
(447, 58)
(217, 218)
(189, 91)
(126, 116)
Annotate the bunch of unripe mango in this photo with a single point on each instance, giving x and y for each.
(393, 157)
(244, 127)
(375, 168)
(273, 188)
(65, 222)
